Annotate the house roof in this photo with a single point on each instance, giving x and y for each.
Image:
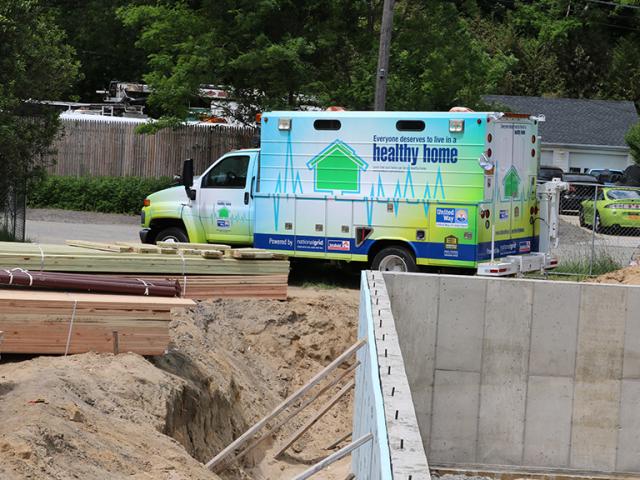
(342, 148)
(573, 121)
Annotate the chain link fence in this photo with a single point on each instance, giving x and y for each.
(599, 229)
(13, 208)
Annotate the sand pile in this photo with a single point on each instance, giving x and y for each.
(628, 276)
(100, 416)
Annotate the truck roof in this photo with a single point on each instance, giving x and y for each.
(246, 150)
(379, 114)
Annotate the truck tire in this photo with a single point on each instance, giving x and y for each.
(171, 234)
(394, 259)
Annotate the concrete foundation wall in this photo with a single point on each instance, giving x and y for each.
(522, 372)
(383, 403)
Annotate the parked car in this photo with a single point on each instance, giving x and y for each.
(548, 173)
(597, 171)
(614, 207)
(631, 176)
(606, 175)
(581, 187)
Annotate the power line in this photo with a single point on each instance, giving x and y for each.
(614, 4)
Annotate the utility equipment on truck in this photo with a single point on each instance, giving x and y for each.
(394, 189)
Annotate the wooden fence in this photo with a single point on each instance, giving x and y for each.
(108, 148)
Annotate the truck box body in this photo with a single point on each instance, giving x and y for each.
(335, 184)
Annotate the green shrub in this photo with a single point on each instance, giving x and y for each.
(95, 194)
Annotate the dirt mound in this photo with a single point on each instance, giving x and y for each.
(231, 362)
(628, 276)
(90, 416)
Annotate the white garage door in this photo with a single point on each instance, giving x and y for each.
(583, 161)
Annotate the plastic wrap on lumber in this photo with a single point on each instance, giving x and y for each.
(17, 277)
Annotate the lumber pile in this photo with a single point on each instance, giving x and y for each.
(201, 270)
(66, 258)
(60, 323)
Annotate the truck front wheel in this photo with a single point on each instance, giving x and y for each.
(394, 259)
(172, 234)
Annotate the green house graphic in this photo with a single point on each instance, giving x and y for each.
(511, 183)
(337, 167)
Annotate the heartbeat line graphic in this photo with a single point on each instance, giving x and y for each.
(430, 193)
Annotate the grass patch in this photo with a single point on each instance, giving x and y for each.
(583, 265)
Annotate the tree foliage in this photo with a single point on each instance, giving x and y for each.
(633, 140)
(103, 47)
(283, 54)
(287, 54)
(35, 64)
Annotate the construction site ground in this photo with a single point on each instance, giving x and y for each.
(231, 362)
(127, 416)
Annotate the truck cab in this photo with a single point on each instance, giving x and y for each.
(219, 212)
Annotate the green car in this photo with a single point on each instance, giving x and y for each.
(615, 207)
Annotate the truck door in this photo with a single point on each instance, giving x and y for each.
(224, 200)
(513, 178)
(504, 183)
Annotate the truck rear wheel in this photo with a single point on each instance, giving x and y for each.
(394, 259)
(172, 234)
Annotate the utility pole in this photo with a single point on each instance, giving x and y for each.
(383, 54)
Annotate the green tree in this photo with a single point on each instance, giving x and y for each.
(277, 54)
(104, 47)
(624, 74)
(434, 64)
(271, 53)
(35, 64)
(633, 140)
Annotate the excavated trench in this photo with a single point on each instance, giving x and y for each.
(198, 415)
(237, 359)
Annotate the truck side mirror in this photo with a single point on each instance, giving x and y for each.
(187, 178)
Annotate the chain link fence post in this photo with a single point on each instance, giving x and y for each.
(593, 232)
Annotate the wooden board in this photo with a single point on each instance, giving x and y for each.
(107, 247)
(145, 248)
(203, 246)
(200, 287)
(40, 321)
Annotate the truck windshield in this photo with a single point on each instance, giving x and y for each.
(230, 172)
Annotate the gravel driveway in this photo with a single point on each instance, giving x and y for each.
(55, 226)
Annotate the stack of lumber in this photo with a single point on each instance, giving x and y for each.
(202, 270)
(52, 322)
(66, 258)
